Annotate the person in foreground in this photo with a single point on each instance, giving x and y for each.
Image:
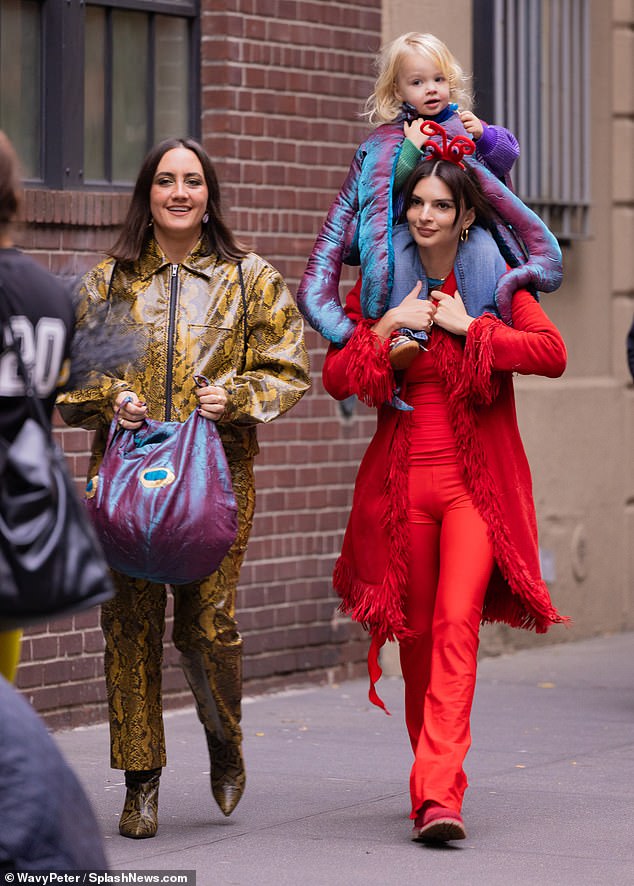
(47, 821)
(442, 533)
(41, 312)
(179, 269)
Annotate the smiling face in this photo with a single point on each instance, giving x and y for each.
(421, 83)
(434, 220)
(178, 197)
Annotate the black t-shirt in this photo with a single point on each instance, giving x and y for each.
(42, 319)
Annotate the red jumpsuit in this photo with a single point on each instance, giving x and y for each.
(442, 533)
(448, 577)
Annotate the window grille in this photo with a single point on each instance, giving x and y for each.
(532, 72)
(138, 79)
(108, 77)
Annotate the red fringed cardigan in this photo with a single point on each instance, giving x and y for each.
(371, 573)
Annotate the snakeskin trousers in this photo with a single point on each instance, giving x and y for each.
(206, 635)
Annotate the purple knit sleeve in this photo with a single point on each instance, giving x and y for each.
(498, 149)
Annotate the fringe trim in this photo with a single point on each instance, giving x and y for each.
(478, 381)
(380, 608)
(377, 607)
(395, 522)
(371, 374)
(529, 605)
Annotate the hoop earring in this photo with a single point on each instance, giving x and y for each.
(464, 235)
(205, 218)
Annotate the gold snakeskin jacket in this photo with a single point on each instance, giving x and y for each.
(192, 317)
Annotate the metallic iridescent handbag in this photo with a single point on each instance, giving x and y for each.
(162, 502)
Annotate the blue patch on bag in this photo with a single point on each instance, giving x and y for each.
(153, 478)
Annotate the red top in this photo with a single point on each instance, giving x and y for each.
(432, 439)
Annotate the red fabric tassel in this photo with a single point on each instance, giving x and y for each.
(375, 672)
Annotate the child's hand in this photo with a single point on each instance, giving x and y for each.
(472, 124)
(413, 133)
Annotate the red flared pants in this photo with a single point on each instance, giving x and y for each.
(450, 566)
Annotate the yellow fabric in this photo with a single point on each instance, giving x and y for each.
(207, 338)
(9, 653)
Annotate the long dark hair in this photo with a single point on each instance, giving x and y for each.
(464, 186)
(135, 231)
(10, 187)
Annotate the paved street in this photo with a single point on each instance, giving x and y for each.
(551, 800)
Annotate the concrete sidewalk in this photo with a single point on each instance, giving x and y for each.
(551, 772)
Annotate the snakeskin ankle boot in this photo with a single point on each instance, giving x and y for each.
(139, 818)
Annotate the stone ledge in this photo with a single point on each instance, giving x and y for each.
(76, 208)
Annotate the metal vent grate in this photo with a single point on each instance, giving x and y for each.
(541, 93)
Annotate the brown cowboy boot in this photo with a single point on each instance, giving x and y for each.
(139, 818)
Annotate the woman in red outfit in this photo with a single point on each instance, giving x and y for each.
(442, 533)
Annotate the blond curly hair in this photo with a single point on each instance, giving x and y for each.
(383, 106)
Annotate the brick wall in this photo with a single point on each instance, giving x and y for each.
(281, 99)
(283, 83)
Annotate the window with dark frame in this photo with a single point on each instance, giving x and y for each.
(93, 85)
(531, 64)
(21, 79)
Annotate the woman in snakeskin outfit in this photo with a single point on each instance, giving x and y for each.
(178, 268)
